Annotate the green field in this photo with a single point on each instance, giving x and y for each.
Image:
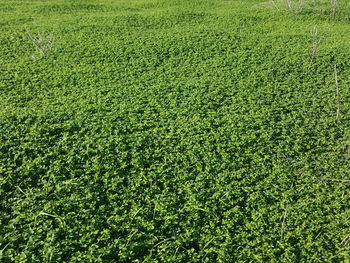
(174, 131)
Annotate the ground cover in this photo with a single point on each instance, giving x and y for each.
(174, 131)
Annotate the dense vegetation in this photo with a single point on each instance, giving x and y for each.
(174, 131)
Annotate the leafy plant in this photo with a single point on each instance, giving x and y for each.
(173, 131)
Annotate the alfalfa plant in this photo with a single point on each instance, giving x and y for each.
(42, 43)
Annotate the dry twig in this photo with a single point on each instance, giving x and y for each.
(337, 87)
(284, 221)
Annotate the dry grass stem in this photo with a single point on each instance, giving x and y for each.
(334, 7)
(315, 43)
(337, 87)
(284, 221)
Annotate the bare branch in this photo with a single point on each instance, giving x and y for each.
(337, 87)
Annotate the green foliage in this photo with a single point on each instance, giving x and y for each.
(172, 131)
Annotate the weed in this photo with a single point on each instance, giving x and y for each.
(174, 131)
